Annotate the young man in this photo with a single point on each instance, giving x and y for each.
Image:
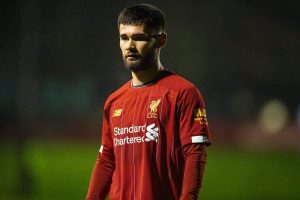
(155, 130)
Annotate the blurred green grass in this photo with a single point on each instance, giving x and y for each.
(62, 169)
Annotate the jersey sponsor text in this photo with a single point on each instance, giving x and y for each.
(151, 134)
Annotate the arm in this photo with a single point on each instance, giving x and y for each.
(102, 175)
(195, 160)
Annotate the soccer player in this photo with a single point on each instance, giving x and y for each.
(155, 130)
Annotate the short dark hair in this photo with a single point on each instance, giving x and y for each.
(149, 15)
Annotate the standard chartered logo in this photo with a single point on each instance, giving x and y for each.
(152, 133)
(131, 135)
(131, 129)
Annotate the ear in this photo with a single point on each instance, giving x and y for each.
(161, 40)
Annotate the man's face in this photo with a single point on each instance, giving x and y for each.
(137, 46)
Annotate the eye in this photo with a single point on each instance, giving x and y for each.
(140, 38)
(124, 37)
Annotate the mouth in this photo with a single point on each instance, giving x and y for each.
(132, 56)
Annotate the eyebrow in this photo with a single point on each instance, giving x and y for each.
(135, 35)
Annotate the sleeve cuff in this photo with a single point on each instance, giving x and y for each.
(198, 139)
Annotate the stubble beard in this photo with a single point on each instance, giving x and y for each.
(142, 63)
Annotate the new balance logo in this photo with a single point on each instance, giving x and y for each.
(152, 133)
(117, 113)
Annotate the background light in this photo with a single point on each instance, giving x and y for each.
(273, 116)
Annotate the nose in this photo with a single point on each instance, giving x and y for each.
(130, 44)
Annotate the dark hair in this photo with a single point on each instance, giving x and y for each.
(149, 15)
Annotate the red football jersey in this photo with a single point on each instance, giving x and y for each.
(146, 128)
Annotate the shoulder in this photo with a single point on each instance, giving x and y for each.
(184, 90)
(178, 83)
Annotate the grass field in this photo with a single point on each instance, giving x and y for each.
(61, 170)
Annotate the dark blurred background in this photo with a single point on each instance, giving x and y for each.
(59, 61)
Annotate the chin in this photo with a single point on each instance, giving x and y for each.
(140, 64)
(136, 66)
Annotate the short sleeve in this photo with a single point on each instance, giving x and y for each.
(106, 131)
(192, 118)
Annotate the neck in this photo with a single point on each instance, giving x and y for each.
(141, 77)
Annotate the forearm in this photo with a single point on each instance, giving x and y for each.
(195, 160)
(101, 177)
